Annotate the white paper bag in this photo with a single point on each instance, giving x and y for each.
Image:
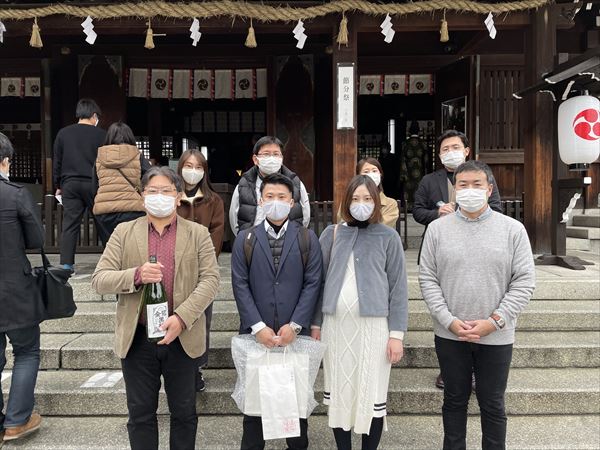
(300, 364)
(280, 418)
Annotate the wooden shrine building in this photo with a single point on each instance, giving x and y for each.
(341, 96)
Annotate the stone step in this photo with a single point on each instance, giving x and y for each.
(224, 432)
(411, 391)
(553, 283)
(576, 315)
(587, 245)
(532, 349)
(584, 232)
(587, 220)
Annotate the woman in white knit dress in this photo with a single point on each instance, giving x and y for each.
(362, 315)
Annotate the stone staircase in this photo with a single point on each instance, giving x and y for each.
(584, 231)
(553, 395)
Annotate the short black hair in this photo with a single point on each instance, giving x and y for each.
(475, 166)
(267, 140)
(119, 133)
(165, 171)
(452, 133)
(277, 178)
(6, 148)
(86, 108)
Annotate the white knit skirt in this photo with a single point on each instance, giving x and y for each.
(357, 370)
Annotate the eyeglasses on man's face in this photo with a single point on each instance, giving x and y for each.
(160, 190)
(273, 155)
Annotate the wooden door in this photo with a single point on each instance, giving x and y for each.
(457, 105)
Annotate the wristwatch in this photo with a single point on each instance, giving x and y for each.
(499, 321)
(295, 327)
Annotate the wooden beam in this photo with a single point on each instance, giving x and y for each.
(540, 50)
(344, 141)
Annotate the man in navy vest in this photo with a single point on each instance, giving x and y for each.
(276, 275)
(245, 210)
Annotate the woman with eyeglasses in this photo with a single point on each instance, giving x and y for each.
(201, 204)
(361, 316)
(117, 180)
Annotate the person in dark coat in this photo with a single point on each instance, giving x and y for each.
(435, 196)
(20, 300)
(245, 210)
(277, 291)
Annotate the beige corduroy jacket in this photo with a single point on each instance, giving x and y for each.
(195, 285)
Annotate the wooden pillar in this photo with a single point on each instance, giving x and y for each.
(344, 141)
(155, 129)
(540, 50)
(46, 126)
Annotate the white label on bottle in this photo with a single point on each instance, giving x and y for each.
(156, 315)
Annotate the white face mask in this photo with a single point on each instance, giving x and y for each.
(276, 210)
(159, 205)
(375, 176)
(192, 176)
(362, 211)
(453, 159)
(471, 200)
(269, 164)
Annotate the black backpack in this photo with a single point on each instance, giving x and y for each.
(303, 241)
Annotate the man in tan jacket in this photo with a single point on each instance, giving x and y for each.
(187, 266)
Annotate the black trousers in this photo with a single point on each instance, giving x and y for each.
(142, 369)
(343, 439)
(491, 364)
(203, 360)
(252, 437)
(77, 196)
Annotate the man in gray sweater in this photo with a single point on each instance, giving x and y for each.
(476, 275)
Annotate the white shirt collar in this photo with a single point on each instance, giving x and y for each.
(271, 231)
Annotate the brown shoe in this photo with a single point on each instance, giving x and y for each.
(11, 433)
(439, 382)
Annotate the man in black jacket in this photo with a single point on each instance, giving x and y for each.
(435, 196)
(75, 152)
(20, 300)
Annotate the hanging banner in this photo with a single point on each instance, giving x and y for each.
(181, 83)
(11, 87)
(420, 84)
(244, 83)
(346, 89)
(370, 85)
(138, 83)
(223, 84)
(159, 83)
(395, 84)
(32, 87)
(261, 83)
(202, 83)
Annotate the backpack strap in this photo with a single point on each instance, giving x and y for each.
(249, 242)
(304, 242)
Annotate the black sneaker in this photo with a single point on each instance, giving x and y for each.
(200, 383)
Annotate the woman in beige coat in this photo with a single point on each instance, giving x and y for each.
(117, 180)
(389, 207)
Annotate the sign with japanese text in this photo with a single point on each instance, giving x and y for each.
(346, 92)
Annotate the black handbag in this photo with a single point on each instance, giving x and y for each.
(57, 293)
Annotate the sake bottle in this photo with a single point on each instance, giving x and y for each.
(154, 302)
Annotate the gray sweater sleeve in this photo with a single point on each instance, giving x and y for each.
(398, 285)
(429, 281)
(326, 242)
(522, 281)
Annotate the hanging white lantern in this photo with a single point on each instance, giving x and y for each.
(579, 131)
